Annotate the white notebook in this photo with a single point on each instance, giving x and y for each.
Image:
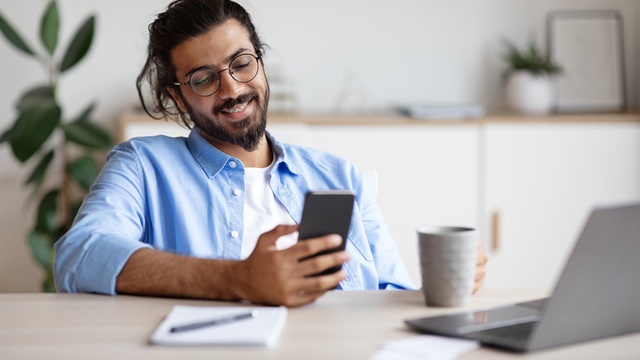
(262, 330)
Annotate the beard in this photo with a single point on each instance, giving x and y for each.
(246, 133)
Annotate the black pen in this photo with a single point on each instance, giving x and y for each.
(215, 322)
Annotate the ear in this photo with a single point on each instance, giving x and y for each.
(177, 98)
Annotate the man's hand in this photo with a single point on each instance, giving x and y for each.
(481, 267)
(270, 276)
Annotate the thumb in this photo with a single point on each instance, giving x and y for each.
(268, 239)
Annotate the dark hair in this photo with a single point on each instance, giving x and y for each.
(183, 19)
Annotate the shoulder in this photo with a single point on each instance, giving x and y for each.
(320, 168)
(145, 142)
(150, 147)
(303, 155)
(333, 169)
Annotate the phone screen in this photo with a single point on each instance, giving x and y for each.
(327, 212)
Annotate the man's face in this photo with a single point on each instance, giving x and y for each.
(236, 113)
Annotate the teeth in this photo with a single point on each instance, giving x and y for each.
(231, 111)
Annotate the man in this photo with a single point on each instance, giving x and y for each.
(214, 215)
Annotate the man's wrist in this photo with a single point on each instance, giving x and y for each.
(224, 280)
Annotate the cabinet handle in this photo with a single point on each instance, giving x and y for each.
(495, 233)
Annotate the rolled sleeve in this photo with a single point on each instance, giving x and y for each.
(93, 265)
(109, 228)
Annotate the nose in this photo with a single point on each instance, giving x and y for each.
(229, 87)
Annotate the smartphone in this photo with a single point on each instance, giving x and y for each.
(327, 212)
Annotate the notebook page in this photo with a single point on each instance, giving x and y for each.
(263, 330)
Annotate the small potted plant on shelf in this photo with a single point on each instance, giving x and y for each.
(529, 78)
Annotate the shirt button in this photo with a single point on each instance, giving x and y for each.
(232, 164)
(236, 192)
(234, 234)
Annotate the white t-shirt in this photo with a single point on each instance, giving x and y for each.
(262, 211)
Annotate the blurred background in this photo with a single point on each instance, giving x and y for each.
(334, 56)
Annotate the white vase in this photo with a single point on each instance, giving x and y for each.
(529, 94)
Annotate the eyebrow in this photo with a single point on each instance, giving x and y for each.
(227, 60)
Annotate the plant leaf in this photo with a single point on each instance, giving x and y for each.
(531, 59)
(38, 172)
(32, 129)
(87, 134)
(80, 45)
(84, 171)
(62, 229)
(6, 136)
(14, 38)
(48, 285)
(37, 96)
(48, 213)
(41, 249)
(85, 116)
(73, 212)
(49, 27)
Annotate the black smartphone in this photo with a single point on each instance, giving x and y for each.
(327, 212)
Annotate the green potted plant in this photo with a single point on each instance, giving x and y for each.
(34, 142)
(529, 77)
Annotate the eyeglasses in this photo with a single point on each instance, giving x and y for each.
(206, 81)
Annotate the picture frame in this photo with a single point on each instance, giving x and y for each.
(589, 47)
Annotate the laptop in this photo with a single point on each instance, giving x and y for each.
(596, 296)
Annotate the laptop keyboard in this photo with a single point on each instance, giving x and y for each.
(512, 336)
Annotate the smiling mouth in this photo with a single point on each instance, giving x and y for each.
(236, 110)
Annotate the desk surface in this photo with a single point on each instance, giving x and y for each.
(341, 325)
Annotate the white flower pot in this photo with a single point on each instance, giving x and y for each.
(529, 94)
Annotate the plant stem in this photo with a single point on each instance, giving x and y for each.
(65, 189)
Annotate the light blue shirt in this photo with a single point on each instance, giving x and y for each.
(180, 195)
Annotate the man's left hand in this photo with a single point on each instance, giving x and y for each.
(481, 267)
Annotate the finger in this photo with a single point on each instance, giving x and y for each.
(476, 287)
(313, 288)
(480, 273)
(308, 291)
(311, 293)
(317, 264)
(482, 255)
(302, 298)
(483, 259)
(306, 248)
(320, 284)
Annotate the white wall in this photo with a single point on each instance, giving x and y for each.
(339, 55)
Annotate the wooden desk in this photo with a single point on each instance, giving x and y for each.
(341, 325)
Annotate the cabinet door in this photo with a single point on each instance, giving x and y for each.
(540, 183)
(427, 174)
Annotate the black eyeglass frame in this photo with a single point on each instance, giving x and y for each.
(188, 82)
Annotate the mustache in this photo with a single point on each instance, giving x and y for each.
(230, 103)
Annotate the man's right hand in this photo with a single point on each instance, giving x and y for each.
(279, 277)
(268, 276)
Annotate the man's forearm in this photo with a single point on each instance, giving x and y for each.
(156, 273)
(267, 276)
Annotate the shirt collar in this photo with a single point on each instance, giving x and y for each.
(212, 160)
(283, 160)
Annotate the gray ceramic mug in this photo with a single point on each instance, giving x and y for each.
(448, 257)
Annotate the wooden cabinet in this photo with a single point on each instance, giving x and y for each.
(540, 181)
(527, 183)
